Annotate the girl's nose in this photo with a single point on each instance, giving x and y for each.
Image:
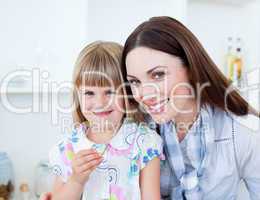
(102, 102)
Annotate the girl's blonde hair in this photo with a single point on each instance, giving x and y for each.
(96, 63)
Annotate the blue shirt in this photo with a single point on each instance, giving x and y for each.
(234, 157)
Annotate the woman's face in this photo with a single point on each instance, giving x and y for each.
(159, 82)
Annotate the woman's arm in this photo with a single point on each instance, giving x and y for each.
(150, 180)
(248, 157)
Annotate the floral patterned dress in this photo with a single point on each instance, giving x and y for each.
(117, 177)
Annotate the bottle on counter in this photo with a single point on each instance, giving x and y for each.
(238, 63)
(230, 57)
(43, 178)
(25, 193)
(6, 177)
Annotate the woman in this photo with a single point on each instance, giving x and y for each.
(208, 151)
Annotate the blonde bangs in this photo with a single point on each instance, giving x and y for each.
(99, 67)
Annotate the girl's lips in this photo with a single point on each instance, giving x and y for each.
(103, 114)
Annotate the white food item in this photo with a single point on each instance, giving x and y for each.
(83, 144)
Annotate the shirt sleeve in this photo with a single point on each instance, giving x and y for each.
(151, 146)
(248, 155)
(59, 158)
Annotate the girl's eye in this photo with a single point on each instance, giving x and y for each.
(89, 93)
(134, 82)
(110, 92)
(158, 75)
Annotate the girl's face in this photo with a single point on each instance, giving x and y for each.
(103, 107)
(159, 83)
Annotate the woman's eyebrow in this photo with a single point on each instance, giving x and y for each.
(130, 76)
(151, 70)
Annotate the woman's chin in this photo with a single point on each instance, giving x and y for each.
(160, 118)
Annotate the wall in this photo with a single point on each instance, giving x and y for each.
(46, 34)
(115, 19)
(212, 23)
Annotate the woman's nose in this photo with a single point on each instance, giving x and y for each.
(148, 91)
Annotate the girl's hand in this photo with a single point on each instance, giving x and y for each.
(46, 196)
(83, 163)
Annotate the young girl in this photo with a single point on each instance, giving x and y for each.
(110, 154)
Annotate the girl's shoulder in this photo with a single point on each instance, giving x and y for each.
(70, 138)
(62, 152)
(142, 129)
(65, 146)
(148, 144)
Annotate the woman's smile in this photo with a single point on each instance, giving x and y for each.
(156, 108)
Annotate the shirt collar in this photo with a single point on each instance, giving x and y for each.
(122, 139)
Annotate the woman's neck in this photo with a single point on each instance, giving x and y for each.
(184, 121)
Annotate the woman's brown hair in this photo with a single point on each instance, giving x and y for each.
(97, 64)
(170, 36)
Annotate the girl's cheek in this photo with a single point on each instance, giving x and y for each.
(118, 104)
(87, 105)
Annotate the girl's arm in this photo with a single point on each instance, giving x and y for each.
(69, 190)
(83, 163)
(150, 180)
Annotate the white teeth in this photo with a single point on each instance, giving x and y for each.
(101, 111)
(158, 106)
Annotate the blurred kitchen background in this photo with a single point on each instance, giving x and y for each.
(43, 37)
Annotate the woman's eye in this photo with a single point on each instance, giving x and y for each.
(134, 82)
(89, 93)
(158, 75)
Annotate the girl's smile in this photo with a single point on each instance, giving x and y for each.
(103, 114)
(101, 106)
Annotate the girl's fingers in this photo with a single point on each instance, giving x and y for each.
(85, 152)
(87, 159)
(88, 166)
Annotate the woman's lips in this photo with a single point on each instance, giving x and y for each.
(103, 114)
(157, 108)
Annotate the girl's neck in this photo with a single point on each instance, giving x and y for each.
(184, 121)
(101, 137)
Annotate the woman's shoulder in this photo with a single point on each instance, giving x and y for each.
(247, 146)
(247, 132)
(226, 123)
